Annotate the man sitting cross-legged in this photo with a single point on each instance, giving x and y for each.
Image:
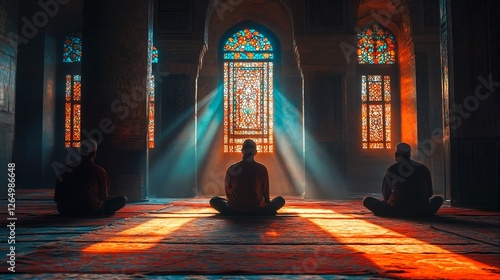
(406, 188)
(247, 187)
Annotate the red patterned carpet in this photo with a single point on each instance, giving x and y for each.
(307, 237)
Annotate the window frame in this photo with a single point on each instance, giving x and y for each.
(275, 62)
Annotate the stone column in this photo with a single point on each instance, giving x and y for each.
(471, 103)
(116, 66)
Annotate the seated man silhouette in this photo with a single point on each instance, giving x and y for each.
(406, 188)
(83, 191)
(247, 187)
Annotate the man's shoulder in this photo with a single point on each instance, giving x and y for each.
(97, 168)
(260, 166)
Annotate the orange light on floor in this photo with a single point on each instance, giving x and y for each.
(390, 250)
(143, 236)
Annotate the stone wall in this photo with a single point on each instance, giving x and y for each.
(8, 62)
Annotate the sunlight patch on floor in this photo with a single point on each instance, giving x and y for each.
(392, 250)
(144, 236)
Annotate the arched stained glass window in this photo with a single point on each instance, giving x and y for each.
(248, 91)
(248, 44)
(72, 53)
(151, 103)
(72, 111)
(376, 46)
(72, 47)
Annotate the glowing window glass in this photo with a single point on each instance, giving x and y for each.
(72, 111)
(151, 113)
(154, 55)
(72, 48)
(248, 44)
(375, 112)
(248, 91)
(376, 46)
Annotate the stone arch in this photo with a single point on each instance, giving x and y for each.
(393, 16)
(276, 17)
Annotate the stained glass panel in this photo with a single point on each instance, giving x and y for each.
(375, 89)
(248, 91)
(363, 89)
(72, 48)
(376, 124)
(68, 88)
(67, 124)
(72, 111)
(77, 88)
(248, 40)
(364, 123)
(387, 88)
(76, 122)
(375, 112)
(248, 110)
(387, 115)
(248, 44)
(151, 113)
(376, 46)
(154, 55)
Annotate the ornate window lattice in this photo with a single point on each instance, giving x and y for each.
(72, 48)
(151, 113)
(72, 111)
(376, 46)
(248, 91)
(151, 103)
(376, 111)
(248, 44)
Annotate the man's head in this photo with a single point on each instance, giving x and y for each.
(88, 149)
(402, 150)
(249, 149)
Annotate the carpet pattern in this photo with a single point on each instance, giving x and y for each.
(307, 237)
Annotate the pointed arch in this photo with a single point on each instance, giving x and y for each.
(376, 45)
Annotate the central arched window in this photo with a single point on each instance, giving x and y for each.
(376, 46)
(248, 91)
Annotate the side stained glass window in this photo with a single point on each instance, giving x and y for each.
(376, 111)
(376, 46)
(72, 111)
(154, 55)
(151, 103)
(151, 113)
(248, 91)
(72, 48)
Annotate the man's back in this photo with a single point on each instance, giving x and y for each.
(85, 187)
(247, 186)
(409, 182)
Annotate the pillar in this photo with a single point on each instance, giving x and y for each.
(116, 66)
(470, 84)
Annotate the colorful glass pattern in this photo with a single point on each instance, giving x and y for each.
(375, 112)
(151, 113)
(248, 44)
(154, 55)
(376, 46)
(72, 111)
(248, 91)
(248, 105)
(72, 48)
